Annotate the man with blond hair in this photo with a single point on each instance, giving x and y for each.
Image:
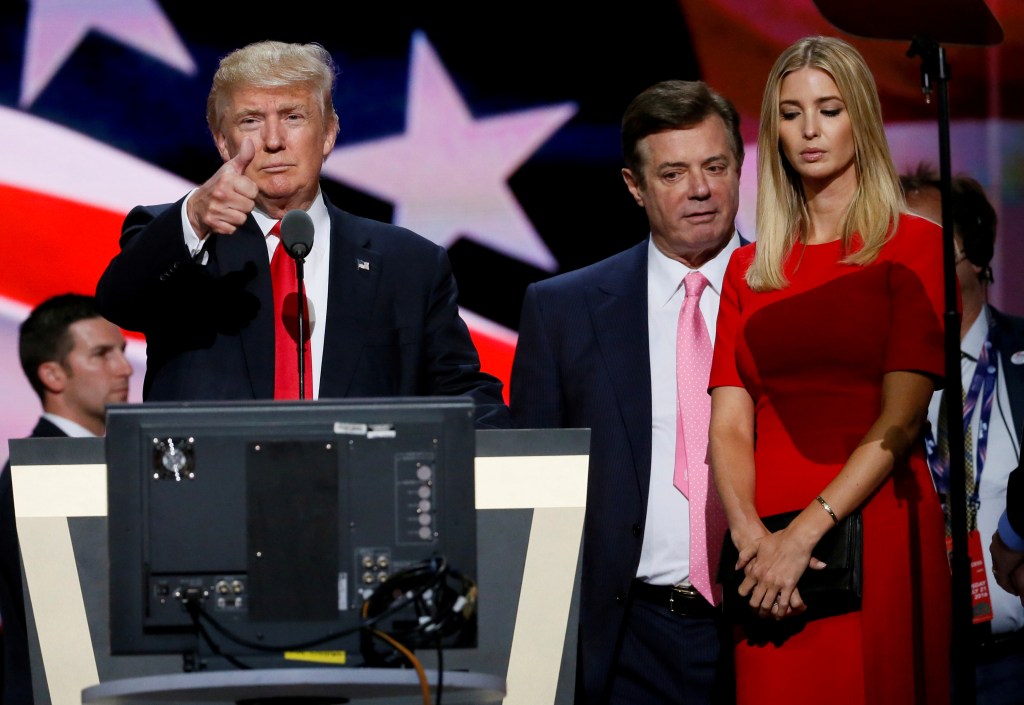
(200, 277)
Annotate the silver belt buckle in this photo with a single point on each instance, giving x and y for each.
(684, 590)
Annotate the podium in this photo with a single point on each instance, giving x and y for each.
(530, 499)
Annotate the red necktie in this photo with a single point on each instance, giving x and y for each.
(693, 415)
(286, 327)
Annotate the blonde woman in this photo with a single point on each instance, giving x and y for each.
(829, 348)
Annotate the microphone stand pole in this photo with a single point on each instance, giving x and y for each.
(933, 58)
(300, 302)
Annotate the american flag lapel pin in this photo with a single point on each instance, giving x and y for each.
(363, 264)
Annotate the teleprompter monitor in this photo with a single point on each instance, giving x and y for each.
(285, 531)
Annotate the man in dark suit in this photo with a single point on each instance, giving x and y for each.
(597, 349)
(994, 401)
(74, 359)
(195, 276)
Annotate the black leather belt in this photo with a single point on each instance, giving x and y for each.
(684, 601)
(994, 647)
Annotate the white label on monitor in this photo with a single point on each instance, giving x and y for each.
(381, 431)
(350, 429)
(342, 592)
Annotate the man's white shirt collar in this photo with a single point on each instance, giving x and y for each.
(317, 212)
(68, 426)
(666, 274)
(976, 335)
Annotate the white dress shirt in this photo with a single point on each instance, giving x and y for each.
(69, 427)
(665, 555)
(316, 270)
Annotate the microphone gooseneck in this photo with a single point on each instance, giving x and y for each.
(297, 240)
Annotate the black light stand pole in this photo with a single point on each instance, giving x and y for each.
(934, 66)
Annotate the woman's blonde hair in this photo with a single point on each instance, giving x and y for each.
(782, 217)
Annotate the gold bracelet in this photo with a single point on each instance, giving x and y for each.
(824, 505)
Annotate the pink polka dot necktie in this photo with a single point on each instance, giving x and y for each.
(693, 415)
(286, 327)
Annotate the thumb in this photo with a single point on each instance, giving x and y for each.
(816, 564)
(240, 162)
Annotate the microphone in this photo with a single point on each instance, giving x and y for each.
(297, 234)
(297, 241)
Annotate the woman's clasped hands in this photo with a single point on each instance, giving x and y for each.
(773, 564)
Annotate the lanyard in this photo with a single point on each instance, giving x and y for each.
(983, 384)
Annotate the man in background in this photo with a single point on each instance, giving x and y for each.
(216, 296)
(598, 349)
(74, 359)
(1007, 547)
(992, 375)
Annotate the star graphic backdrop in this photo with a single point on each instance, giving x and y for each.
(490, 129)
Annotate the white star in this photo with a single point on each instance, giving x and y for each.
(448, 174)
(56, 27)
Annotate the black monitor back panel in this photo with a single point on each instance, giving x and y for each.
(279, 519)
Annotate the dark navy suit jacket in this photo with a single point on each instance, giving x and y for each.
(1011, 340)
(392, 321)
(582, 361)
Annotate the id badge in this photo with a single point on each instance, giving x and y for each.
(981, 603)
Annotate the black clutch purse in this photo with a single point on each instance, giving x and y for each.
(833, 590)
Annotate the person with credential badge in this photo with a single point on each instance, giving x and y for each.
(993, 414)
(830, 345)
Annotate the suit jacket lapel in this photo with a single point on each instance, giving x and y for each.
(248, 244)
(1011, 341)
(618, 308)
(355, 274)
